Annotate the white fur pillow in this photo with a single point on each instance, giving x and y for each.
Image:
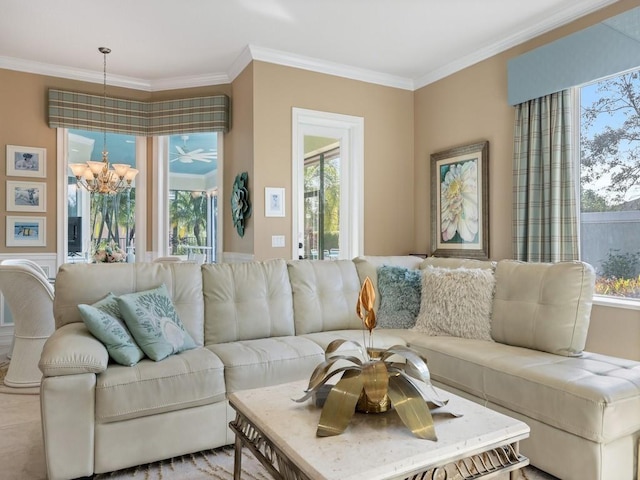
(456, 302)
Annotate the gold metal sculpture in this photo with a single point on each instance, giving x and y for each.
(373, 383)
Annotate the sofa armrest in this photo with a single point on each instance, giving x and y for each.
(72, 350)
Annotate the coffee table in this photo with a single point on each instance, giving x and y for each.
(282, 435)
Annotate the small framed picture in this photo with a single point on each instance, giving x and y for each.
(273, 202)
(26, 161)
(26, 196)
(26, 231)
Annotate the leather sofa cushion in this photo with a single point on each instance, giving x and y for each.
(543, 306)
(267, 361)
(245, 301)
(367, 266)
(324, 295)
(87, 283)
(596, 397)
(188, 379)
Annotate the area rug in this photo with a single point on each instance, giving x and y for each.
(4, 366)
(218, 464)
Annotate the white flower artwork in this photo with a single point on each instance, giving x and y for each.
(459, 202)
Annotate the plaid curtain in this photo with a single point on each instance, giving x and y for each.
(545, 223)
(189, 115)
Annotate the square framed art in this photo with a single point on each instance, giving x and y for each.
(26, 196)
(26, 231)
(460, 202)
(26, 161)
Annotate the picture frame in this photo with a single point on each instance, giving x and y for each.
(26, 196)
(460, 224)
(273, 202)
(26, 231)
(26, 161)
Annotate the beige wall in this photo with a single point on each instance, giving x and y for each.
(471, 105)
(238, 158)
(388, 152)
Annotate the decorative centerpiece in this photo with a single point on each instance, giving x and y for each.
(373, 383)
(108, 252)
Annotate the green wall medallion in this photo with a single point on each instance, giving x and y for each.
(240, 203)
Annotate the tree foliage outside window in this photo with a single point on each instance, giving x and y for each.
(188, 219)
(322, 172)
(610, 181)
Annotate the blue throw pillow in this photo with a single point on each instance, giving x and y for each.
(154, 323)
(104, 321)
(400, 293)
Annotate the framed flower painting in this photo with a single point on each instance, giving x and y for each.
(460, 202)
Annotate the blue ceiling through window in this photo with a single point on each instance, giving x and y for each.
(189, 154)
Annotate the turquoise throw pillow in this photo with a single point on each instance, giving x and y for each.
(104, 321)
(154, 323)
(400, 293)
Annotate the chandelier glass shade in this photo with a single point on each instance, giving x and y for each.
(100, 176)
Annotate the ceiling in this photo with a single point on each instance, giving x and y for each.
(168, 44)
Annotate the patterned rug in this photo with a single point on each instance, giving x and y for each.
(218, 464)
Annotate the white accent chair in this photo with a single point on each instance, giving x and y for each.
(29, 295)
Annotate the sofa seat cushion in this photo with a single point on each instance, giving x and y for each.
(267, 361)
(596, 397)
(188, 379)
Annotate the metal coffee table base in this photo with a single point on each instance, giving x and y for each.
(484, 464)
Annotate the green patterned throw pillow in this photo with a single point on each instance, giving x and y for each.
(154, 323)
(400, 290)
(104, 321)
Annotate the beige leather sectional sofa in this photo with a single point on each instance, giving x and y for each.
(264, 323)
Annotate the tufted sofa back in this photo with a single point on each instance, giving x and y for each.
(88, 283)
(324, 295)
(245, 301)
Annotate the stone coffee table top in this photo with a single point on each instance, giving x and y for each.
(374, 446)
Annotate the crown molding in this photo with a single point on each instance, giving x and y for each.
(240, 63)
(559, 19)
(329, 68)
(90, 76)
(176, 83)
(253, 52)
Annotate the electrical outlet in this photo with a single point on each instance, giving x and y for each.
(277, 240)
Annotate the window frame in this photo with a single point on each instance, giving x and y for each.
(628, 303)
(62, 150)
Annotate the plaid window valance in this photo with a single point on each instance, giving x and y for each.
(189, 115)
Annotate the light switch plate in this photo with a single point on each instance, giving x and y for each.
(277, 240)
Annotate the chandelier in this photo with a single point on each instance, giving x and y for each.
(100, 177)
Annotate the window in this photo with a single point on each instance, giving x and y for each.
(93, 218)
(322, 200)
(194, 172)
(610, 183)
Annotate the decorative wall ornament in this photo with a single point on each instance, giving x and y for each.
(240, 202)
